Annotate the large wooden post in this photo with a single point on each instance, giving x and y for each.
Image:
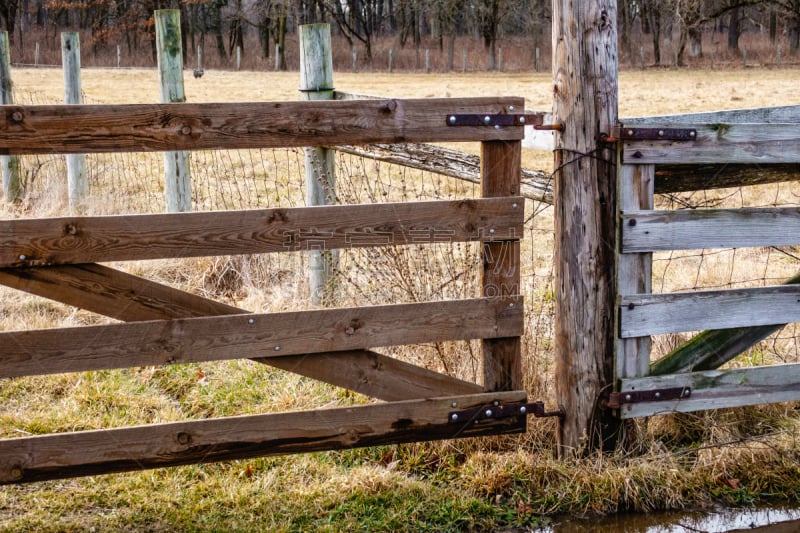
(12, 186)
(585, 101)
(316, 83)
(77, 179)
(177, 180)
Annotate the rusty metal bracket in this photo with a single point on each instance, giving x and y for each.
(621, 133)
(497, 120)
(617, 399)
(498, 410)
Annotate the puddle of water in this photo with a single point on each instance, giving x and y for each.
(772, 520)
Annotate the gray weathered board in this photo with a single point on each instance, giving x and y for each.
(716, 389)
(721, 143)
(769, 115)
(654, 314)
(38, 242)
(696, 229)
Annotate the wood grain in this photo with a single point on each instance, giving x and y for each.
(771, 115)
(717, 389)
(65, 240)
(119, 295)
(585, 64)
(203, 441)
(259, 335)
(53, 129)
(635, 271)
(500, 176)
(696, 229)
(655, 314)
(721, 143)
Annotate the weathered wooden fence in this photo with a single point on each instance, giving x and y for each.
(688, 379)
(58, 258)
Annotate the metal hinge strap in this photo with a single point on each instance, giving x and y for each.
(617, 399)
(499, 410)
(622, 133)
(498, 120)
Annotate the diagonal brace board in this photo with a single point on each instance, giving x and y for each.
(71, 240)
(126, 297)
(83, 453)
(231, 337)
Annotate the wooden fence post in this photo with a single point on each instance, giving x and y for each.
(77, 180)
(177, 179)
(12, 185)
(500, 176)
(585, 65)
(316, 83)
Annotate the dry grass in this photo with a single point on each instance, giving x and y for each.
(734, 456)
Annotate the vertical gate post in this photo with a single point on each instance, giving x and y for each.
(177, 179)
(585, 101)
(500, 176)
(316, 83)
(77, 180)
(12, 186)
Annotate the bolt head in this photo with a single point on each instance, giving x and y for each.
(452, 119)
(487, 120)
(660, 133)
(454, 417)
(488, 413)
(251, 321)
(628, 397)
(523, 410)
(522, 120)
(22, 258)
(454, 404)
(658, 396)
(514, 206)
(277, 348)
(491, 231)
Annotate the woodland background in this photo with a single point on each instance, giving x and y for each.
(493, 34)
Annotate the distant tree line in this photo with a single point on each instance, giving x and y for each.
(222, 25)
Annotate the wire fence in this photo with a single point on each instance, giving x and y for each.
(125, 183)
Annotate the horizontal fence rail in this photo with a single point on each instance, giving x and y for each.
(202, 441)
(649, 231)
(718, 143)
(654, 314)
(57, 129)
(38, 242)
(188, 340)
(715, 389)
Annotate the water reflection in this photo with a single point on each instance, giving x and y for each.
(771, 520)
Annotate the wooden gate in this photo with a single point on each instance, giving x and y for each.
(705, 150)
(60, 258)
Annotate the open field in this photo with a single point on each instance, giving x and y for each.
(739, 457)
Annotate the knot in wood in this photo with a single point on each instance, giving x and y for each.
(183, 438)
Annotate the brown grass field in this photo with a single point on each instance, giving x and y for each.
(734, 457)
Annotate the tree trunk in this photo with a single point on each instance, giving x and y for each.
(585, 68)
(734, 30)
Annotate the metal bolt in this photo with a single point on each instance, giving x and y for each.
(454, 416)
(277, 348)
(630, 133)
(495, 403)
(628, 397)
(350, 331)
(497, 126)
(454, 404)
(22, 258)
(660, 133)
(523, 410)
(16, 116)
(186, 130)
(510, 108)
(487, 120)
(658, 396)
(692, 134)
(511, 306)
(488, 413)
(452, 119)
(491, 231)
(251, 321)
(522, 120)
(514, 206)
(686, 393)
